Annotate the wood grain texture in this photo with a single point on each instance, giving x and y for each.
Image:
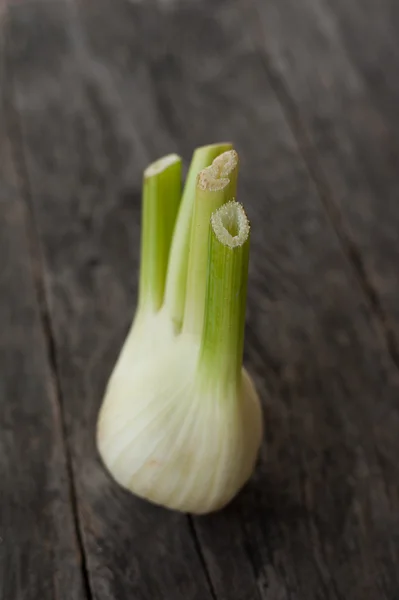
(333, 65)
(376, 135)
(39, 553)
(123, 84)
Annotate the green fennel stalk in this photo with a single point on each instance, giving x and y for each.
(175, 292)
(160, 203)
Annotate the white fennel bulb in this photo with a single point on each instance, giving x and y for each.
(181, 422)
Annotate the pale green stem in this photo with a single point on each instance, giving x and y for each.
(160, 203)
(175, 292)
(216, 185)
(222, 343)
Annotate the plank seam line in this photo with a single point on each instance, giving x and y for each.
(37, 264)
(198, 548)
(251, 559)
(326, 197)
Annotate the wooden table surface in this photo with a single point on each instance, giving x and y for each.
(308, 91)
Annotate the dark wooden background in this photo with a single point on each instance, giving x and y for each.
(91, 92)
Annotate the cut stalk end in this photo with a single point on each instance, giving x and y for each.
(221, 173)
(230, 225)
(160, 165)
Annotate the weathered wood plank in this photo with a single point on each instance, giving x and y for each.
(320, 518)
(86, 148)
(308, 317)
(343, 108)
(375, 134)
(369, 34)
(39, 552)
(225, 72)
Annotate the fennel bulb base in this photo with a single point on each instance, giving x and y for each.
(170, 438)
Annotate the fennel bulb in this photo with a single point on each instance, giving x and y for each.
(181, 421)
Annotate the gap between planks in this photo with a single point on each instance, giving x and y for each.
(14, 134)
